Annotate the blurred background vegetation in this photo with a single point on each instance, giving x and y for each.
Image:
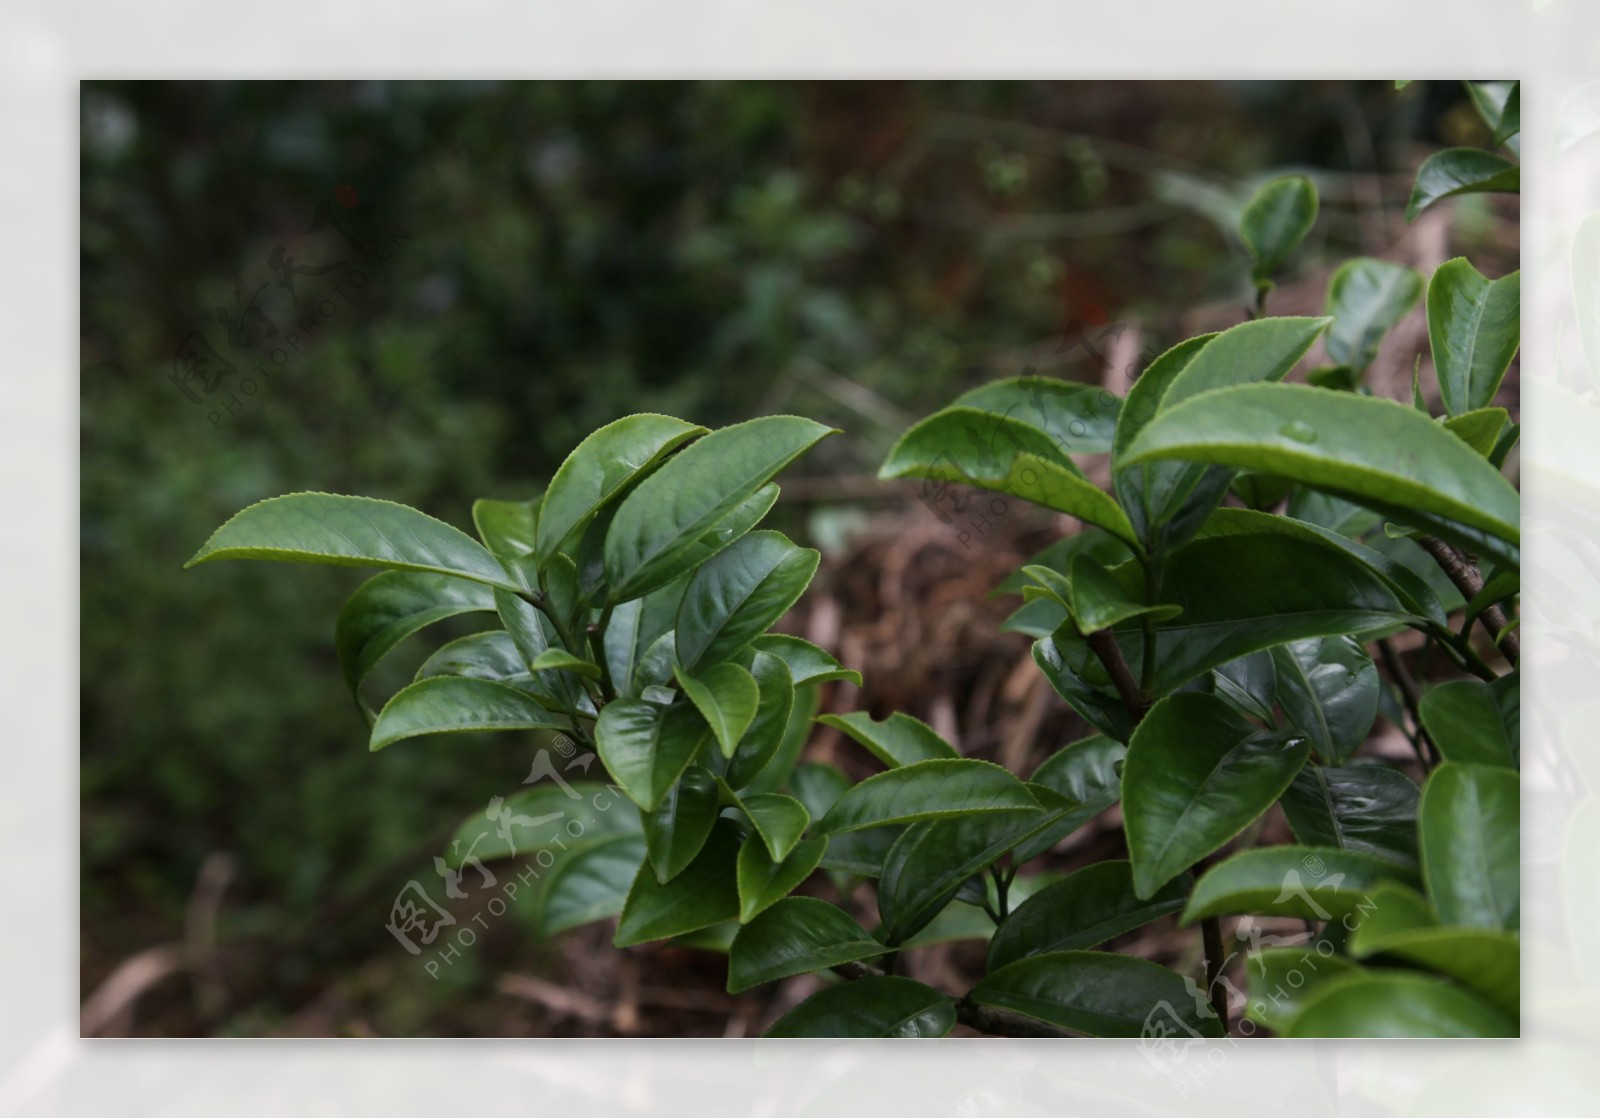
(429, 292)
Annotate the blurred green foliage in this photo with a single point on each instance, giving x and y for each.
(536, 260)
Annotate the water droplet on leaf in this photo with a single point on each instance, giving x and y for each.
(1299, 431)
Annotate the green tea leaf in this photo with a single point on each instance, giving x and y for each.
(1095, 993)
(703, 894)
(635, 626)
(589, 883)
(390, 607)
(659, 528)
(1397, 1004)
(1461, 171)
(1080, 418)
(450, 704)
(727, 696)
(807, 663)
(351, 532)
(646, 747)
(1313, 883)
(971, 446)
(599, 469)
(1328, 687)
(1366, 298)
(1083, 910)
(545, 817)
(1196, 774)
(780, 820)
(507, 528)
(927, 790)
(767, 731)
(793, 936)
(1362, 447)
(1281, 979)
(1500, 105)
(764, 881)
(1470, 828)
(1401, 926)
(898, 740)
(1464, 721)
(878, 1006)
(1086, 772)
(738, 593)
(676, 829)
(1474, 329)
(1369, 808)
(1275, 220)
(559, 660)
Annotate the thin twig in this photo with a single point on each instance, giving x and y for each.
(1104, 646)
(1469, 581)
(1426, 753)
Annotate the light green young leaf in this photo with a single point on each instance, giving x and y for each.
(390, 607)
(352, 532)
(448, 704)
(1366, 298)
(506, 527)
(767, 731)
(727, 697)
(807, 663)
(1470, 829)
(1474, 329)
(1275, 220)
(738, 593)
(898, 740)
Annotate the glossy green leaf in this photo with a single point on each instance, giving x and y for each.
(1196, 774)
(646, 747)
(1080, 418)
(351, 532)
(1369, 808)
(559, 660)
(807, 663)
(1086, 772)
(1461, 171)
(507, 528)
(635, 626)
(931, 860)
(1366, 298)
(1474, 329)
(878, 1006)
(1067, 662)
(1083, 910)
(1397, 1004)
(590, 883)
(727, 696)
(1363, 447)
(1500, 105)
(738, 593)
(703, 894)
(1249, 685)
(1093, 542)
(1100, 600)
(1314, 883)
(658, 530)
(1470, 828)
(767, 730)
(1479, 429)
(490, 655)
(927, 790)
(599, 468)
(767, 768)
(450, 704)
(533, 634)
(1099, 994)
(780, 821)
(676, 829)
(1464, 721)
(1054, 486)
(390, 607)
(764, 881)
(548, 816)
(896, 741)
(1275, 220)
(1328, 687)
(970, 446)
(793, 936)
(1401, 927)
(1281, 979)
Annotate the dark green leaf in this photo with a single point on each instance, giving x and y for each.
(544, 817)
(646, 746)
(1500, 105)
(448, 704)
(1314, 883)
(878, 1006)
(559, 660)
(1096, 993)
(1479, 429)
(1474, 329)
(534, 635)
(1366, 298)
(1086, 772)
(780, 820)
(1369, 808)
(1249, 684)
(1463, 719)
(1461, 171)
(1470, 828)
(1054, 486)
(1364, 447)
(1281, 979)
(635, 626)
(807, 663)
(727, 697)
(763, 881)
(1196, 774)
(895, 741)
(704, 893)
(1101, 600)
(1397, 1004)
(677, 828)
(1084, 910)
(660, 526)
(600, 468)
(1328, 687)
(969, 445)
(1402, 927)
(351, 532)
(590, 883)
(1275, 220)
(793, 936)
(767, 730)
(1066, 661)
(738, 593)
(390, 607)
(1080, 418)
(927, 790)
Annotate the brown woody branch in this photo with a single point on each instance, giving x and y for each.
(1469, 581)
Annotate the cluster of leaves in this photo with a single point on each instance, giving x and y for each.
(1219, 651)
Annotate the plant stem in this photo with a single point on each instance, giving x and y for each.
(1469, 581)
(1211, 938)
(1104, 646)
(1426, 754)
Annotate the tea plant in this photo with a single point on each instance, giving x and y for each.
(1214, 623)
